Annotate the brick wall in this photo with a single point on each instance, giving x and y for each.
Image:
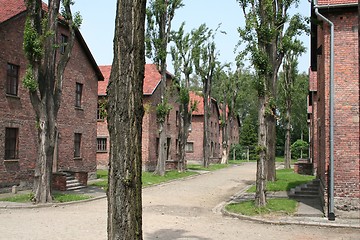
(346, 115)
(17, 111)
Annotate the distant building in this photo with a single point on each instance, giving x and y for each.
(194, 146)
(150, 132)
(75, 149)
(346, 127)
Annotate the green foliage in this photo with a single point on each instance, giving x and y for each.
(298, 147)
(103, 105)
(162, 110)
(58, 197)
(184, 95)
(276, 206)
(29, 81)
(285, 180)
(32, 42)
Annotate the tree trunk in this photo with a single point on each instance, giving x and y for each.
(206, 141)
(225, 135)
(287, 154)
(260, 196)
(184, 124)
(43, 169)
(125, 112)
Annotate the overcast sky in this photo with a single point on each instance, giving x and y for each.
(99, 18)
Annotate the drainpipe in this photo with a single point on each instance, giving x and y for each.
(331, 214)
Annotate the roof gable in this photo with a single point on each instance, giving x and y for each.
(194, 96)
(12, 8)
(151, 80)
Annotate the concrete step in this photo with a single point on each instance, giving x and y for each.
(75, 188)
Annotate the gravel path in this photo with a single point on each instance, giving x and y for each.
(185, 209)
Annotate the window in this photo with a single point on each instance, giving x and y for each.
(63, 43)
(177, 118)
(78, 94)
(102, 145)
(77, 145)
(189, 147)
(12, 79)
(100, 112)
(11, 143)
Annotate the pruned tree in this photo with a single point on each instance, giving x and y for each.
(44, 79)
(205, 62)
(266, 40)
(181, 54)
(266, 37)
(290, 63)
(125, 113)
(160, 14)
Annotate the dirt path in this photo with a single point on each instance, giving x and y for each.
(184, 209)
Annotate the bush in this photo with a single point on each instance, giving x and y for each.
(299, 146)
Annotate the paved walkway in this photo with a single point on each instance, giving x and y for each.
(183, 209)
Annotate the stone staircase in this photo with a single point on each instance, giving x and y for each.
(72, 183)
(308, 190)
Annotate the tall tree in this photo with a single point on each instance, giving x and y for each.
(266, 41)
(181, 54)
(160, 14)
(205, 61)
(44, 79)
(226, 88)
(267, 37)
(287, 87)
(125, 112)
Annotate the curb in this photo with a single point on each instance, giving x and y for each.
(46, 205)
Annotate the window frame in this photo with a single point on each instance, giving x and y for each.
(78, 95)
(77, 145)
(187, 147)
(12, 151)
(64, 39)
(103, 145)
(12, 79)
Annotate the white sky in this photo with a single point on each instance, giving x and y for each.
(99, 18)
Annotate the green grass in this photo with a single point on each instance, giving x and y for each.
(212, 167)
(285, 180)
(58, 197)
(102, 173)
(147, 178)
(274, 206)
(151, 179)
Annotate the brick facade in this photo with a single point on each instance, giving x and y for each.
(346, 112)
(16, 111)
(150, 126)
(196, 135)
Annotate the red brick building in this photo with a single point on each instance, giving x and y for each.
(194, 146)
(76, 119)
(334, 114)
(150, 133)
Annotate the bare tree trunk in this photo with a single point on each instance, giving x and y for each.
(206, 140)
(287, 154)
(125, 112)
(43, 169)
(184, 125)
(225, 134)
(260, 196)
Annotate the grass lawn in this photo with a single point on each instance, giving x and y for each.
(58, 197)
(285, 180)
(212, 167)
(274, 206)
(147, 178)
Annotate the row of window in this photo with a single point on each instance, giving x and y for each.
(12, 84)
(12, 144)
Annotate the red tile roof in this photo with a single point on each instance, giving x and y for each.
(336, 2)
(11, 8)
(151, 80)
